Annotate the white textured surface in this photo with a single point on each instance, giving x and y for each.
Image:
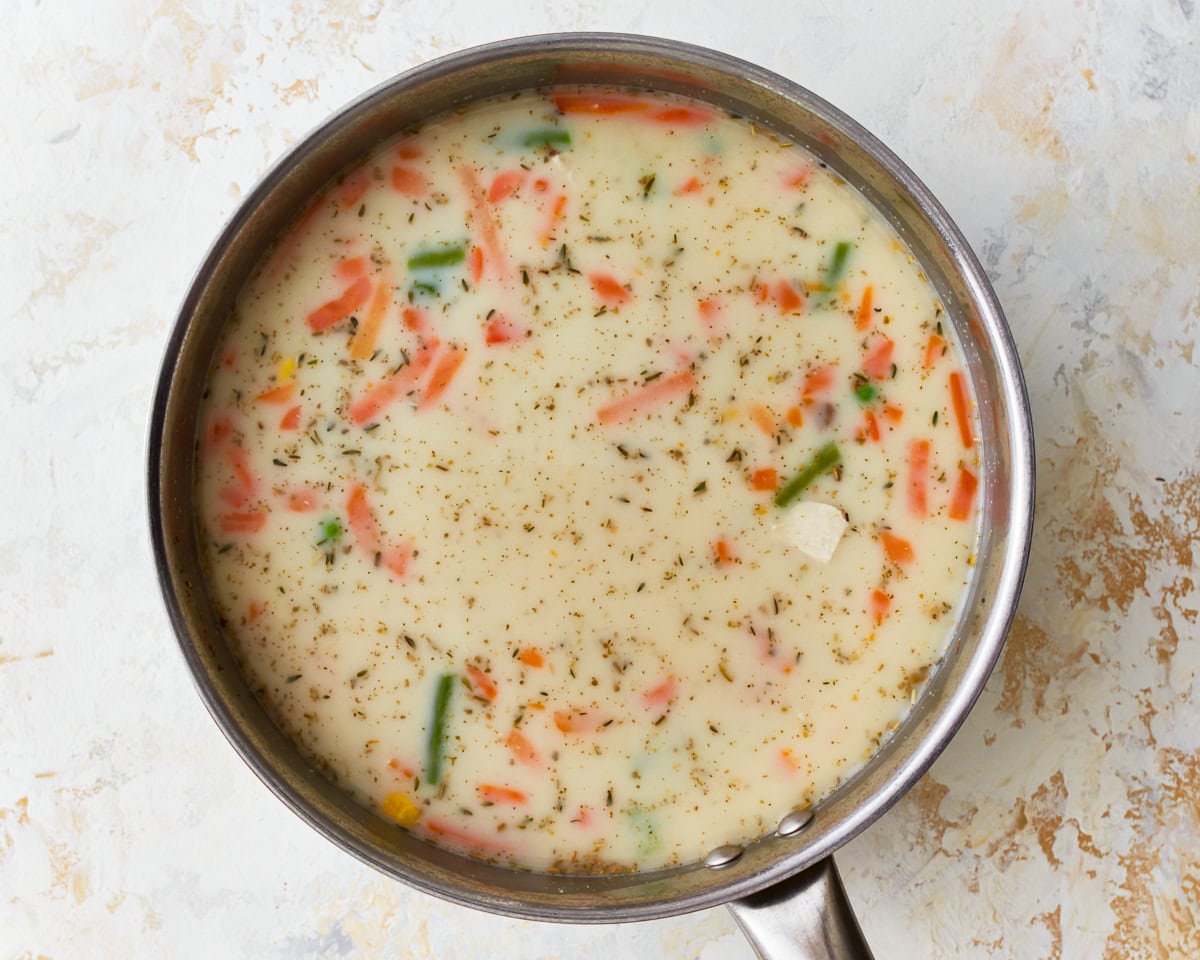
(1061, 823)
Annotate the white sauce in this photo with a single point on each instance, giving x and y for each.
(713, 674)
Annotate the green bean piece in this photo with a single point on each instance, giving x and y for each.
(828, 457)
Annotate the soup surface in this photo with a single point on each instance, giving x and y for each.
(587, 480)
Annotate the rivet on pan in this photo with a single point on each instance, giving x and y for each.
(794, 822)
(723, 856)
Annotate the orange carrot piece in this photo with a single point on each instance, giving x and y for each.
(599, 104)
(691, 185)
(481, 683)
(870, 427)
(609, 289)
(281, 394)
(303, 500)
(878, 361)
(351, 268)
(350, 191)
(723, 553)
(765, 478)
(242, 522)
(898, 549)
(501, 330)
(381, 396)
(501, 796)
(408, 150)
(958, 397)
(481, 216)
(892, 413)
(409, 182)
(661, 693)
(556, 215)
(817, 381)
(506, 183)
(532, 657)
(339, 308)
(361, 521)
(865, 307)
(395, 559)
(881, 604)
(291, 419)
(464, 838)
(788, 297)
(577, 721)
(795, 417)
(475, 264)
(680, 116)
(416, 319)
(963, 499)
(710, 312)
(934, 350)
(241, 469)
(761, 416)
(654, 393)
(797, 179)
(918, 477)
(254, 611)
(789, 761)
(522, 750)
(367, 332)
(443, 373)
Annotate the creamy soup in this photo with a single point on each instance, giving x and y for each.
(587, 479)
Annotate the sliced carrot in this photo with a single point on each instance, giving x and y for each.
(463, 837)
(242, 522)
(817, 381)
(870, 427)
(281, 394)
(475, 264)
(367, 333)
(501, 330)
(483, 685)
(864, 308)
(878, 360)
(599, 104)
(532, 658)
(361, 521)
(416, 319)
(958, 397)
(339, 308)
(396, 559)
(254, 611)
(881, 603)
(291, 419)
(578, 721)
(409, 182)
(680, 116)
(763, 418)
(710, 312)
(609, 289)
(898, 549)
(352, 268)
(378, 398)
(447, 366)
(652, 394)
(522, 750)
(765, 478)
(963, 499)
(556, 215)
(795, 417)
(797, 179)
(506, 183)
(723, 553)
(892, 413)
(690, 185)
(661, 693)
(495, 794)
(934, 350)
(408, 150)
(350, 191)
(787, 297)
(241, 469)
(584, 817)
(481, 217)
(303, 500)
(918, 477)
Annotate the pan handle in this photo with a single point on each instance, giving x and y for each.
(806, 917)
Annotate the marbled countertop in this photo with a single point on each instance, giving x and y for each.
(1062, 822)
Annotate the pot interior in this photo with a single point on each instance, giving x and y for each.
(771, 102)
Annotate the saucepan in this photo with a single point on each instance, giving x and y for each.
(783, 889)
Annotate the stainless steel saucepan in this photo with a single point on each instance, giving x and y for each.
(783, 889)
